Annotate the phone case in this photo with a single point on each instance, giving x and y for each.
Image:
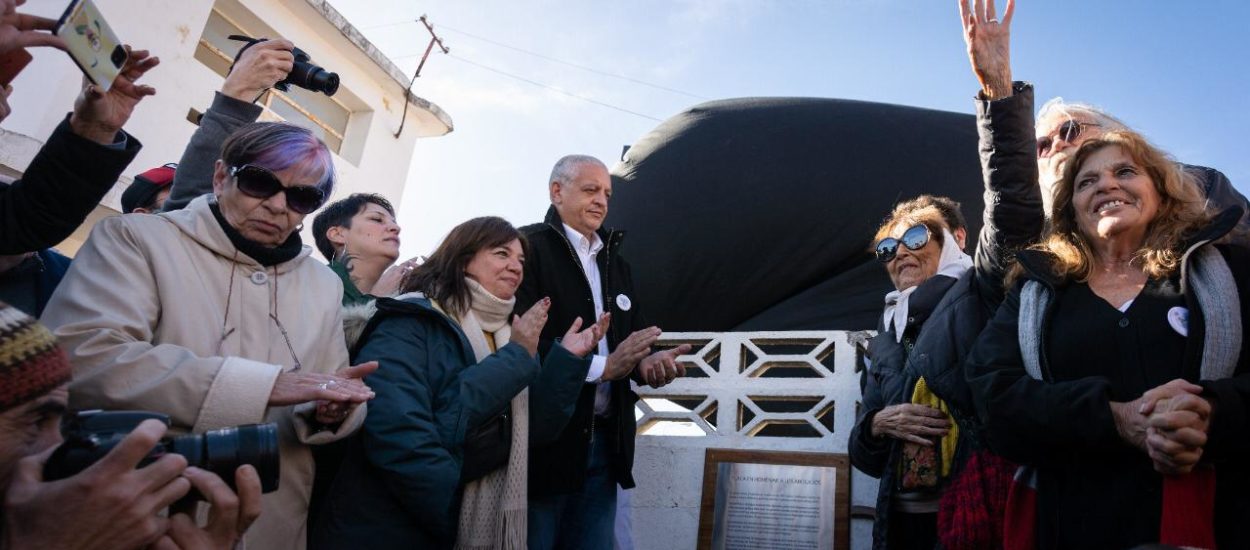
(91, 43)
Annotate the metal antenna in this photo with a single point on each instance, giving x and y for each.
(434, 39)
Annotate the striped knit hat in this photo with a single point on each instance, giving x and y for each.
(31, 364)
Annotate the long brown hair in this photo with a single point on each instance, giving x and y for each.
(441, 277)
(1182, 211)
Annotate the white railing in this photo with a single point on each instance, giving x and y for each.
(787, 391)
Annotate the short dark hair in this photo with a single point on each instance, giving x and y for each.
(441, 277)
(340, 214)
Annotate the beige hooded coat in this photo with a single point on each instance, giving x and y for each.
(140, 314)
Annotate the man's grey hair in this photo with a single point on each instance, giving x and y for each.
(1057, 107)
(566, 168)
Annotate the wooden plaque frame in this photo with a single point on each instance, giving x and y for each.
(841, 464)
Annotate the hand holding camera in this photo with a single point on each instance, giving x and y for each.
(110, 504)
(99, 115)
(258, 68)
(303, 72)
(232, 513)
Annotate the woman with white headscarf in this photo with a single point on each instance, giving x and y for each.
(917, 428)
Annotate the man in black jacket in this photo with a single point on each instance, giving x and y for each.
(577, 263)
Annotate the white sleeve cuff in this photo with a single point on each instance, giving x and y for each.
(597, 364)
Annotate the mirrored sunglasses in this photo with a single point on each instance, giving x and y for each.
(914, 238)
(1069, 131)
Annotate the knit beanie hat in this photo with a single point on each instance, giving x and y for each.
(31, 364)
(146, 186)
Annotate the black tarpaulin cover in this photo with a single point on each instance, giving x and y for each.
(757, 213)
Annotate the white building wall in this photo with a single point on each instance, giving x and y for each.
(726, 375)
(379, 163)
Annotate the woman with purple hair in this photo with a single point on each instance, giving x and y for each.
(216, 315)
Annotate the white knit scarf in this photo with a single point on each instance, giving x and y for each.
(952, 263)
(493, 509)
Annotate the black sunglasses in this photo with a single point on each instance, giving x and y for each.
(1069, 131)
(914, 238)
(260, 183)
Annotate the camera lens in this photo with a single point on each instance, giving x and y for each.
(118, 57)
(223, 451)
(325, 81)
(311, 77)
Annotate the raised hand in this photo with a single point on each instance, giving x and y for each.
(662, 367)
(527, 328)
(629, 352)
(97, 115)
(585, 341)
(393, 278)
(262, 65)
(293, 388)
(989, 45)
(911, 422)
(18, 30)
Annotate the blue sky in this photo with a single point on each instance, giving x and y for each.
(1177, 71)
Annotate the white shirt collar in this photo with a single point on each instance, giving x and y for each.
(581, 243)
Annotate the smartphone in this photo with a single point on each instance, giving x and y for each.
(91, 43)
(13, 63)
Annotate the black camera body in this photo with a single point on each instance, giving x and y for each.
(303, 74)
(89, 435)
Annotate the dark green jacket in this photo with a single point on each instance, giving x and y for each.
(399, 486)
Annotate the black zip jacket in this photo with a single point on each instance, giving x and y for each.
(553, 270)
(63, 184)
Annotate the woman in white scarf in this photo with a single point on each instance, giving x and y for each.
(917, 428)
(451, 362)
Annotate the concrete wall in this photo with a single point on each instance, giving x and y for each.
(781, 391)
(377, 161)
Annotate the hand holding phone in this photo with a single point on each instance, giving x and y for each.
(98, 115)
(91, 43)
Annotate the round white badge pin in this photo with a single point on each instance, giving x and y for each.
(1178, 317)
(622, 301)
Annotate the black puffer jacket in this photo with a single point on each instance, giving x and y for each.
(947, 315)
(553, 270)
